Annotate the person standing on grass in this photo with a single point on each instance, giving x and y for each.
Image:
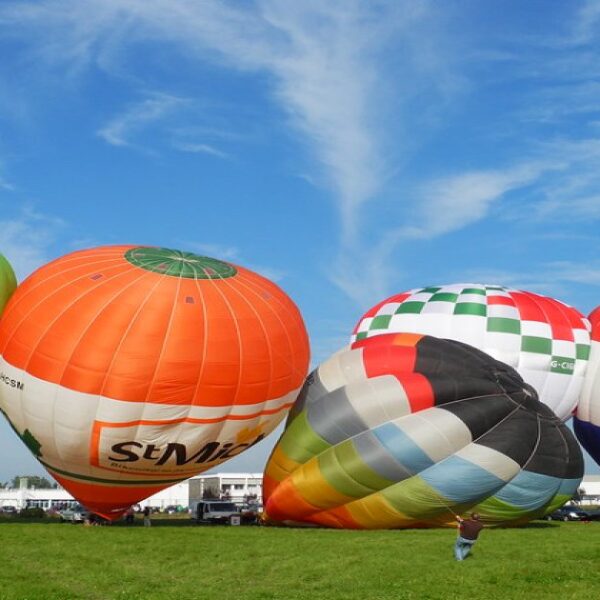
(468, 532)
(147, 521)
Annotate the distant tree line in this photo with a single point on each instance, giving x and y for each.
(33, 481)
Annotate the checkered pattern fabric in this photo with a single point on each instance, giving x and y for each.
(548, 342)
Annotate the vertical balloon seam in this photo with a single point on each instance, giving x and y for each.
(93, 320)
(294, 323)
(44, 299)
(565, 465)
(43, 281)
(568, 449)
(541, 308)
(165, 339)
(221, 424)
(14, 305)
(535, 447)
(240, 341)
(551, 498)
(165, 336)
(207, 330)
(269, 344)
(293, 319)
(582, 351)
(143, 275)
(242, 284)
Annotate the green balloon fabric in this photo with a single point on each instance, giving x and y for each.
(8, 282)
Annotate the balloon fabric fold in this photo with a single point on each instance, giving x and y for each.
(406, 430)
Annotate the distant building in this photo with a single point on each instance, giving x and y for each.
(589, 490)
(237, 487)
(234, 486)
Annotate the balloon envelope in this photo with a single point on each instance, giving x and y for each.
(8, 282)
(404, 430)
(546, 341)
(132, 368)
(586, 423)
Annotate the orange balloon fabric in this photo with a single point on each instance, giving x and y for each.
(136, 367)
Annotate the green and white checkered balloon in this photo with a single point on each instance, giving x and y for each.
(547, 341)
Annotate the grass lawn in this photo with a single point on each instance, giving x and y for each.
(177, 560)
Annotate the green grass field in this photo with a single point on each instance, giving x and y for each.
(177, 560)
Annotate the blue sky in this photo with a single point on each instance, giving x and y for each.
(348, 150)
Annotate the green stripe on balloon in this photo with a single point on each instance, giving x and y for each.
(344, 469)
(415, 498)
(300, 442)
(470, 308)
(444, 297)
(410, 307)
(582, 352)
(503, 325)
(537, 345)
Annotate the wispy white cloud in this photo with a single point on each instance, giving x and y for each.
(586, 23)
(218, 251)
(26, 239)
(328, 66)
(550, 278)
(324, 61)
(458, 201)
(119, 131)
(197, 148)
(5, 185)
(233, 254)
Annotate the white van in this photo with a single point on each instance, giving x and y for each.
(216, 511)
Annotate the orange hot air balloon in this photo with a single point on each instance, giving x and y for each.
(132, 368)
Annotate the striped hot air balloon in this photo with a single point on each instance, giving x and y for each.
(404, 430)
(586, 423)
(546, 341)
(8, 282)
(132, 368)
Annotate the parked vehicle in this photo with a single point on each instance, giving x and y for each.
(251, 513)
(8, 510)
(80, 514)
(216, 511)
(568, 513)
(74, 514)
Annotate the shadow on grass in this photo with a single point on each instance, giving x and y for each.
(539, 525)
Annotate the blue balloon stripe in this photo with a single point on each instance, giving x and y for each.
(461, 481)
(568, 487)
(530, 491)
(409, 454)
